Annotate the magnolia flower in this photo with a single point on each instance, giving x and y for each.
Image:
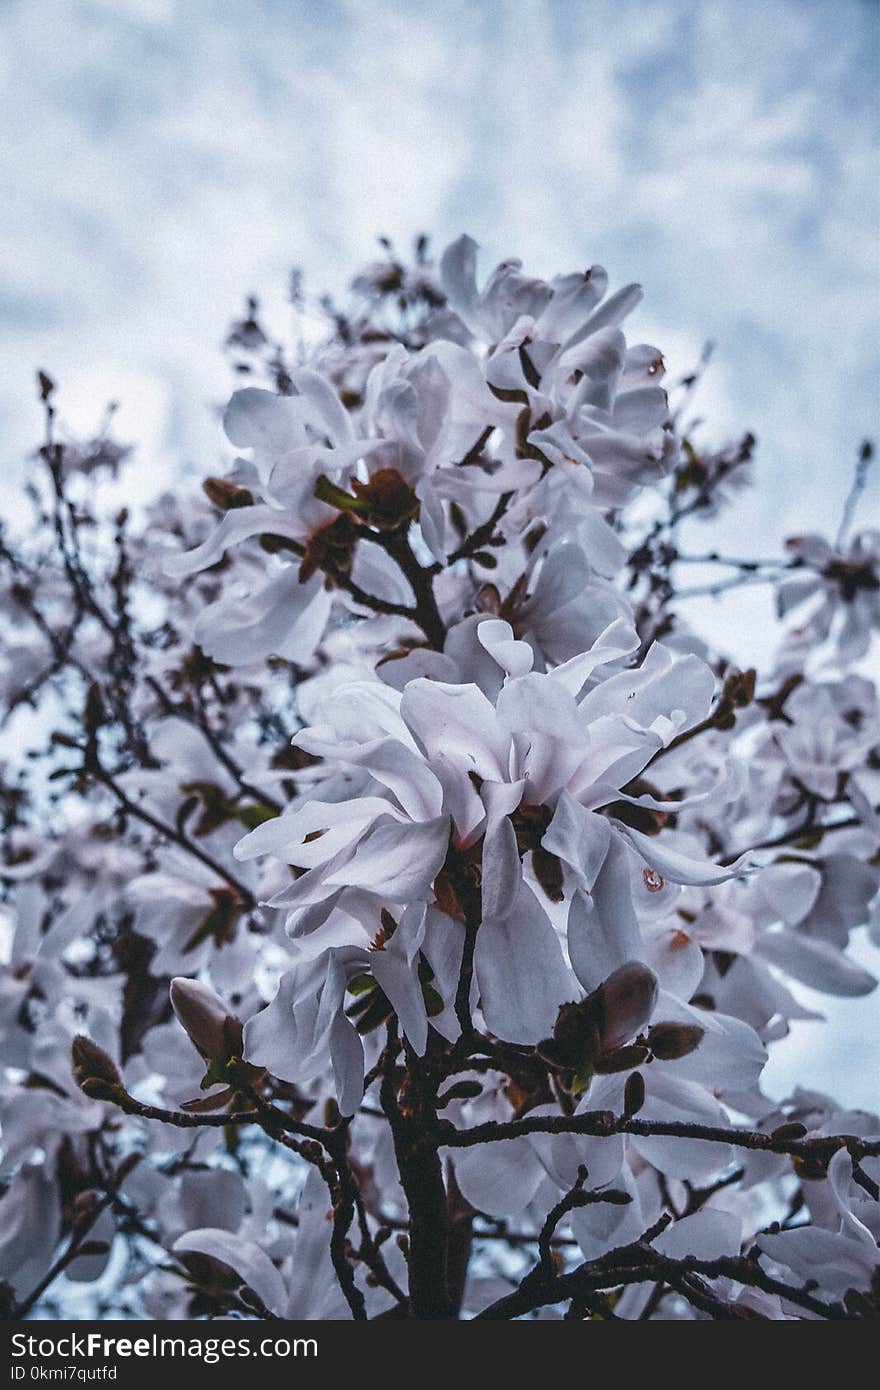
(423, 413)
(463, 806)
(828, 750)
(189, 911)
(343, 983)
(295, 440)
(305, 1287)
(844, 584)
(36, 970)
(558, 348)
(847, 1250)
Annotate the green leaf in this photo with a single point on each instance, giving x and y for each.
(252, 816)
(361, 984)
(334, 496)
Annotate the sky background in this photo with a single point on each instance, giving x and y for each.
(162, 157)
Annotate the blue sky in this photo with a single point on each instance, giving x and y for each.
(161, 157)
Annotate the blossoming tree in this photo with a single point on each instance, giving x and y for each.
(402, 897)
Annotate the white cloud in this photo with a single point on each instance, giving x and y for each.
(163, 156)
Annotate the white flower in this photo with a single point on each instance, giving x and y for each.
(847, 1251)
(844, 583)
(463, 806)
(305, 1287)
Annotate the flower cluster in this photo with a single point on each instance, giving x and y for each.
(401, 860)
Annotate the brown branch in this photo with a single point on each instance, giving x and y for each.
(480, 537)
(638, 1264)
(604, 1124)
(791, 837)
(412, 1117)
(426, 613)
(269, 1117)
(177, 837)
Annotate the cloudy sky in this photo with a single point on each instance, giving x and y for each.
(161, 157)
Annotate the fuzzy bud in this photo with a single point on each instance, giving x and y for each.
(669, 1041)
(94, 1071)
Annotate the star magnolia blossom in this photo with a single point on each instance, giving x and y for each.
(505, 796)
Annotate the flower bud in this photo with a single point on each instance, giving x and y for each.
(627, 998)
(204, 1016)
(93, 1070)
(622, 1058)
(227, 495)
(669, 1041)
(793, 1130)
(634, 1094)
